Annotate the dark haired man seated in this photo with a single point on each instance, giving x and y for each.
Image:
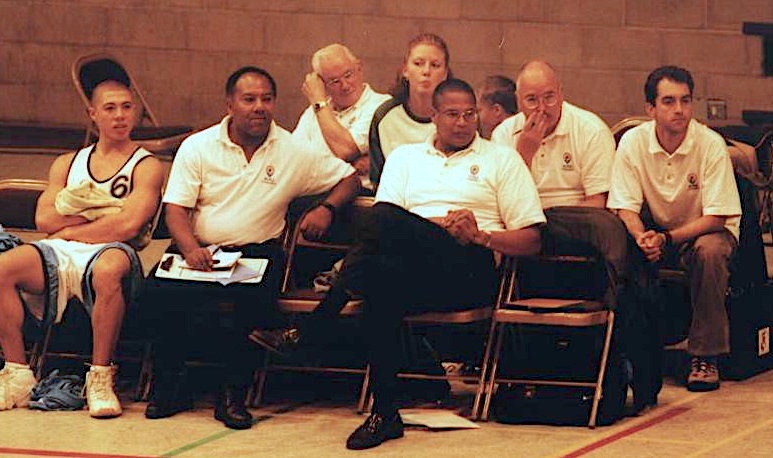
(229, 187)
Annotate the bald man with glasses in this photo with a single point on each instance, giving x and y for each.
(569, 152)
(341, 107)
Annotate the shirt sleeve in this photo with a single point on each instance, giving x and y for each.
(597, 161)
(625, 190)
(326, 171)
(719, 189)
(302, 130)
(503, 134)
(394, 179)
(185, 179)
(519, 203)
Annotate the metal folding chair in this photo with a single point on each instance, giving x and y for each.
(90, 70)
(298, 299)
(541, 311)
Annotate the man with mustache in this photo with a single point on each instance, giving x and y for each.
(341, 107)
(682, 171)
(229, 187)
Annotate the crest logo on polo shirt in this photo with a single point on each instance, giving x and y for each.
(692, 181)
(474, 170)
(568, 164)
(269, 178)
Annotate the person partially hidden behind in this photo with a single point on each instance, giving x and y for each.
(97, 199)
(496, 102)
(682, 171)
(442, 209)
(230, 186)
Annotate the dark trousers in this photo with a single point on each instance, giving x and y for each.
(174, 304)
(403, 264)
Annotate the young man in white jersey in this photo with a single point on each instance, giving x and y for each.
(83, 257)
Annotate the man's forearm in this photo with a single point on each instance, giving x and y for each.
(703, 225)
(344, 191)
(336, 136)
(632, 221)
(520, 242)
(179, 224)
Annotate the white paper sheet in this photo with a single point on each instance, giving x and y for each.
(436, 419)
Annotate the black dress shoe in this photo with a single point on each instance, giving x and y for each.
(230, 408)
(169, 396)
(376, 430)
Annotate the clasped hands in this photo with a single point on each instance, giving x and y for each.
(652, 244)
(462, 226)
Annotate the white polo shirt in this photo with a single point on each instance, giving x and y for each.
(696, 180)
(487, 179)
(574, 162)
(356, 119)
(236, 202)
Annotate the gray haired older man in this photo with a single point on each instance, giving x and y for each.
(341, 107)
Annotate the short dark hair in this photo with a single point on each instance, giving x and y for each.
(670, 72)
(231, 83)
(449, 85)
(94, 73)
(500, 90)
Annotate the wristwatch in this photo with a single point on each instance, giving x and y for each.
(319, 105)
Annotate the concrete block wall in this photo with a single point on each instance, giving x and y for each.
(181, 51)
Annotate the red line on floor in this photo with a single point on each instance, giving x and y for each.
(24, 451)
(627, 432)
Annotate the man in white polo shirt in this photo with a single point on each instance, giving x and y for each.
(229, 187)
(570, 153)
(682, 171)
(442, 208)
(341, 107)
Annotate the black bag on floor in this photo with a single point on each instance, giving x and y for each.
(560, 354)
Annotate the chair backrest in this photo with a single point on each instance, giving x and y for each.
(90, 70)
(623, 126)
(18, 201)
(339, 238)
(763, 150)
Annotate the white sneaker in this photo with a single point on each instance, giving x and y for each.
(16, 383)
(100, 392)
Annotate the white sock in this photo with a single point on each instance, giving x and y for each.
(95, 368)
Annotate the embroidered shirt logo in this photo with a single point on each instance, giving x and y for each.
(568, 164)
(692, 181)
(269, 178)
(474, 169)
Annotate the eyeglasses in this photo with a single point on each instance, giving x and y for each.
(531, 102)
(453, 115)
(336, 82)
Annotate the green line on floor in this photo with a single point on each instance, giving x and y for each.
(212, 438)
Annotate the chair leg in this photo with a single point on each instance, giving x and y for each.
(493, 372)
(141, 393)
(475, 414)
(258, 388)
(41, 357)
(364, 392)
(598, 393)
